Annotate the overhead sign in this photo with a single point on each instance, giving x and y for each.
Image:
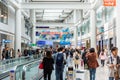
(51, 33)
(7, 41)
(109, 2)
(40, 42)
(33, 44)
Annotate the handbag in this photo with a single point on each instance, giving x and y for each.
(116, 75)
(116, 72)
(41, 65)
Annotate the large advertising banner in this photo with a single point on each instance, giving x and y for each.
(109, 2)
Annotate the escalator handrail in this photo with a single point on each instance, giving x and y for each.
(15, 59)
(25, 66)
(16, 67)
(3, 66)
(25, 63)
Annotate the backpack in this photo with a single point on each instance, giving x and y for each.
(59, 59)
(76, 57)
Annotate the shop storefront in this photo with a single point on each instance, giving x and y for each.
(106, 28)
(6, 41)
(107, 38)
(86, 43)
(25, 44)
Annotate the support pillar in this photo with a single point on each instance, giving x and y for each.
(18, 31)
(75, 36)
(118, 24)
(32, 16)
(93, 28)
(75, 29)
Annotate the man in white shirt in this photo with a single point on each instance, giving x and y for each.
(113, 63)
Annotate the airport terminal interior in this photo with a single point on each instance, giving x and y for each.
(59, 39)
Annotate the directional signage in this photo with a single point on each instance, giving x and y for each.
(33, 44)
(7, 41)
(109, 2)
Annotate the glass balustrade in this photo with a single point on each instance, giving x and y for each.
(10, 63)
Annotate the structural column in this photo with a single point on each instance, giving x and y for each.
(75, 29)
(33, 19)
(81, 16)
(118, 24)
(18, 30)
(93, 28)
(75, 36)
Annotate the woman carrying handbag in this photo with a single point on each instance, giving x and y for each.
(92, 63)
(47, 63)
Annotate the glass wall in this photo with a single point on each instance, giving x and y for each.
(104, 15)
(109, 12)
(85, 28)
(3, 13)
(105, 27)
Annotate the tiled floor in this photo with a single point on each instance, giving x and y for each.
(101, 74)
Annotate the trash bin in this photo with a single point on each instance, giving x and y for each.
(12, 75)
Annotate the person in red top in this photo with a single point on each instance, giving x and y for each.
(92, 63)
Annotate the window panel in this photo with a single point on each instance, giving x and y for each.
(3, 13)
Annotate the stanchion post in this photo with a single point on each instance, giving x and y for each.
(12, 75)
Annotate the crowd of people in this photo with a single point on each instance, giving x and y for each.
(59, 58)
(9, 53)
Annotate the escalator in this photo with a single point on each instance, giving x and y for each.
(33, 70)
(17, 66)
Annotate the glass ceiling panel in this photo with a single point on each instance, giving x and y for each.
(67, 11)
(51, 11)
(39, 10)
(52, 14)
(39, 15)
(56, 0)
(50, 18)
(64, 15)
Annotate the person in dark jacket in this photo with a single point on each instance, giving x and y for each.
(48, 62)
(84, 57)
